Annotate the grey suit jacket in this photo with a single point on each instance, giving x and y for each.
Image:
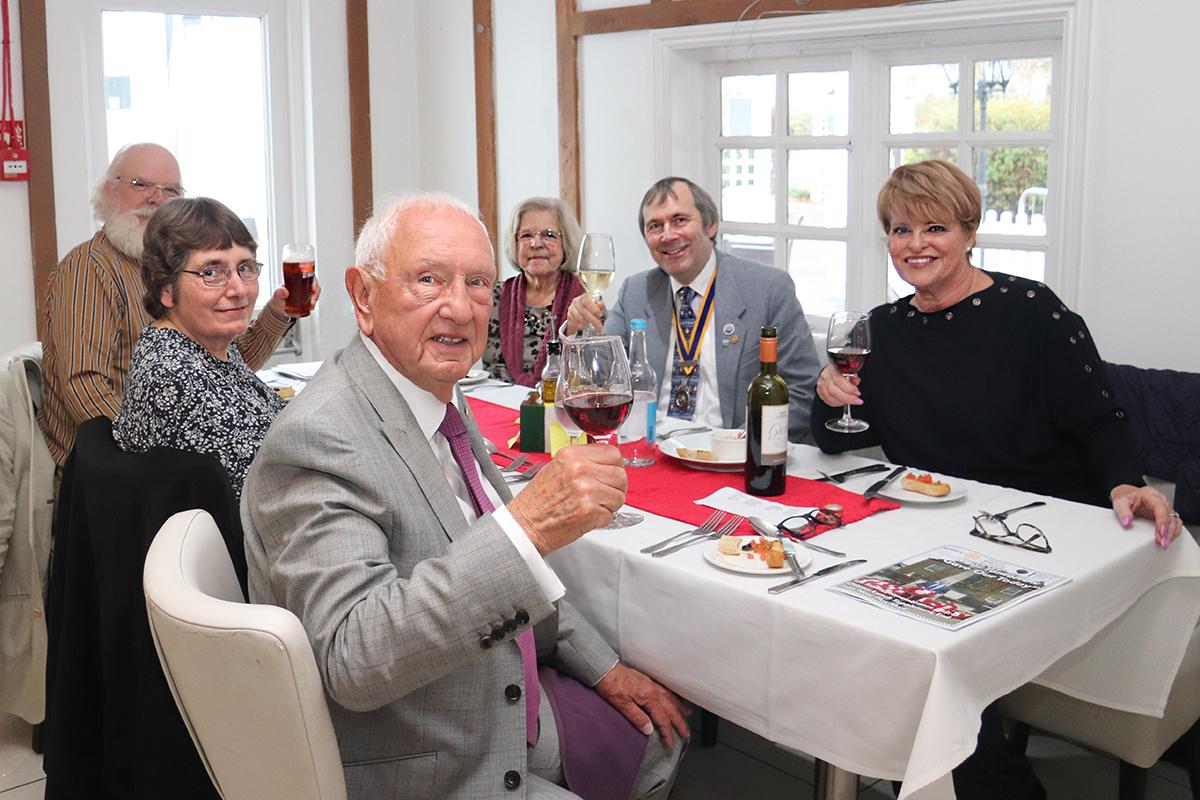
(749, 295)
(351, 525)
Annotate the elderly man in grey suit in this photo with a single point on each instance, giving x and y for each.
(704, 311)
(374, 514)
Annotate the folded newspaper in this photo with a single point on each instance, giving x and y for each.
(950, 586)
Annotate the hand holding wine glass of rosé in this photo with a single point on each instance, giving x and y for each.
(598, 394)
(849, 346)
(595, 267)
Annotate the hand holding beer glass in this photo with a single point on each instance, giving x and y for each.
(299, 276)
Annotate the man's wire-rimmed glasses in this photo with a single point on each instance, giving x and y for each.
(142, 186)
(995, 529)
(217, 275)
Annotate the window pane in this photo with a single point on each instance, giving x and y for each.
(747, 185)
(924, 97)
(819, 103)
(911, 155)
(748, 105)
(1026, 263)
(1012, 95)
(1013, 183)
(818, 268)
(752, 248)
(166, 76)
(817, 186)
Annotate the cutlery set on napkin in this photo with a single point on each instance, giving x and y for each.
(719, 524)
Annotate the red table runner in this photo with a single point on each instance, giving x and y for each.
(669, 489)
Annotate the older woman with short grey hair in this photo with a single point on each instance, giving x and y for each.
(541, 242)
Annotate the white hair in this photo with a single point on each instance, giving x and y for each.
(101, 208)
(375, 238)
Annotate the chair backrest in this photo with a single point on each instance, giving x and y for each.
(243, 675)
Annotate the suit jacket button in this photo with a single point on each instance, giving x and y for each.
(512, 692)
(510, 625)
(485, 642)
(497, 634)
(512, 779)
(522, 617)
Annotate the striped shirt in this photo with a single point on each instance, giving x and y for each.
(93, 317)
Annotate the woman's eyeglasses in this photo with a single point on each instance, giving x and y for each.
(144, 187)
(1026, 536)
(217, 275)
(548, 235)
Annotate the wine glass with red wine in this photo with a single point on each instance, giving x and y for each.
(848, 345)
(598, 394)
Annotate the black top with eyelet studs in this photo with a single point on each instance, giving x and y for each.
(1005, 386)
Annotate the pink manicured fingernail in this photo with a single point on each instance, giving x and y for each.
(857, 401)
(648, 729)
(1162, 531)
(1126, 520)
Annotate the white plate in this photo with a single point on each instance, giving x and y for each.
(473, 377)
(755, 566)
(698, 441)
(897, 492)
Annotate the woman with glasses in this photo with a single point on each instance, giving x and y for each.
(188, 387)
(541, 242)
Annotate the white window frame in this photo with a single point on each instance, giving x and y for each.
(685, 133)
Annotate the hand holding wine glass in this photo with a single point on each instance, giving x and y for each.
(598, 393)
(596, 266)
(849, 346)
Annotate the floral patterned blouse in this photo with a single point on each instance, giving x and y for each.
(178, 395)
(537, 320)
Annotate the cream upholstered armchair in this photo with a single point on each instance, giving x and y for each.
(242, 675)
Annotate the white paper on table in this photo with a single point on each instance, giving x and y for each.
(302, 370)
(276, 381)
(734, 502)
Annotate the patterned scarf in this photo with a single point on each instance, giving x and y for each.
(512, 324)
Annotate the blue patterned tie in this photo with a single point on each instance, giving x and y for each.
(683, 384)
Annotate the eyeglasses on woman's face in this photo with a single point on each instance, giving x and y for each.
(215, 274)
(548, 236)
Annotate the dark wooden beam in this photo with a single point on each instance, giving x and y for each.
(485, 117)
(701, 12)
(362, 189)
(567, 47)
(35, 82)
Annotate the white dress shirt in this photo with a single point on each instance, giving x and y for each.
(708, 398)
(429, 412)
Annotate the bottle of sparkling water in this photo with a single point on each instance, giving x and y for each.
(639, 425)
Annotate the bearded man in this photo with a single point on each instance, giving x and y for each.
(93, 311)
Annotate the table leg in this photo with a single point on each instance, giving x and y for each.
(833, 783)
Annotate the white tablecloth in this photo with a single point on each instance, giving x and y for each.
(874, 692)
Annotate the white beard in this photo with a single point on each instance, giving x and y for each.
(125, 231)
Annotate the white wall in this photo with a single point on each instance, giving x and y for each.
(1140, 281)
(17, 320)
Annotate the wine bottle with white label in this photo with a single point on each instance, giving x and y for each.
(766, 422)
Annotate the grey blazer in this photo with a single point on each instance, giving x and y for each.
(749, 295)
(351, 525)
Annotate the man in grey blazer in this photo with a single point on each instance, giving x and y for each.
(417, 581)
(679, 222)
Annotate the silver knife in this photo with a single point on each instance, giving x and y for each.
(760, 525)
(838, 477)
(821, 573)
(877, 486)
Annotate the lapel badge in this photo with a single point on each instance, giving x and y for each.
(733, 339)
(728, 329)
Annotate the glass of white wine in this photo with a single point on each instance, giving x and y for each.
(596, 266)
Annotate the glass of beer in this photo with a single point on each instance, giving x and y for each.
(299, 273)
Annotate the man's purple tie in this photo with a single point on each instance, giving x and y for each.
(455, 431)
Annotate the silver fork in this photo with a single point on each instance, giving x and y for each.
(526, 475)
(515, 464)
(728, 526)
(708, 526)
